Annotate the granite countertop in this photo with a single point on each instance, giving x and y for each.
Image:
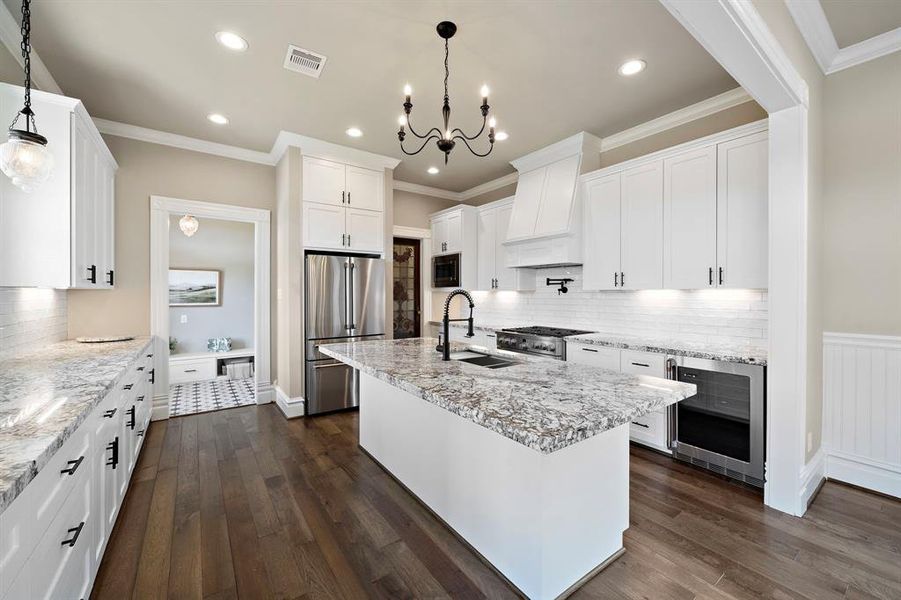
(544, 404)
(737, 353)
(45, 395)
(475, 326)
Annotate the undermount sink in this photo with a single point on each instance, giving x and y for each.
(483, 360)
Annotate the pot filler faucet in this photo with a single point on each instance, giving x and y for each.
(446, 321)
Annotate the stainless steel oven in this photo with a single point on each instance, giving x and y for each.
(722, 427)
(446, 271)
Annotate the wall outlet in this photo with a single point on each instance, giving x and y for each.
(809, 441)
(184, 319)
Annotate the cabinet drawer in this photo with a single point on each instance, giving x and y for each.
(643, 363)
(650, 430)
(602, 357)
(200, 369)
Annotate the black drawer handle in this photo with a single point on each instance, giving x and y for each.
(641, 424)
(110, 275)
(152, 375)
(113, 446)
(131, 414)
(589, 349)
(140, 398)
(92, 274)
(75, 531)
(489, 335)
(73, 466)
(128, 386)
(140, 433)
(140, 368)
(190, 370)
(109, 414)
(150, 356)
(645, 365)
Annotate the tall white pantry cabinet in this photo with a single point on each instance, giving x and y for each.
(62, 234)
(691, 217)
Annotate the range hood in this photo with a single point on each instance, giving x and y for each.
(546, 224)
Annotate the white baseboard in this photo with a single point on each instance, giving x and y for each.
(812, 475)
(265, 393)
(160, 410)
(862, 472)
(290, 407)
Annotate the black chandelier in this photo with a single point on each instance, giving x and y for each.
(446, 138)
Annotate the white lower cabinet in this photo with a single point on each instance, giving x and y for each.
(650, 429)
(53, 535)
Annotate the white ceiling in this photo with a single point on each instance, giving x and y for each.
(853, 21)
(551, 67)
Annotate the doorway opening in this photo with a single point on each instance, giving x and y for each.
(407, 288)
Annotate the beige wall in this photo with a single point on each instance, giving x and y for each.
(779, 21)
(721, 121)
(498, 194)
(413, 210)
(150, 169)
(10, 69)
(862, 212)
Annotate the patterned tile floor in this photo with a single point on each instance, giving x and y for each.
(204, 396)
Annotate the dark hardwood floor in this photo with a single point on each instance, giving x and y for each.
(242, 503)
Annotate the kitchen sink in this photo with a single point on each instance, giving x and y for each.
(483, 360)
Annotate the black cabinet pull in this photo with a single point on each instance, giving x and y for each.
(641, 365)
(131, 415)
(348, 197)
(190, 370)
(73, 466)
(721, 275)
(641, 424)
(622, 279)
(109, 277)
(710, 276)
(616, 280)
(152, 375)
(128, 386)
(150, 356)
(140, 433)
(140, 398)
(109, 414)
(92, 273)
(75, 531)
(589, 349)
(113, 446)
(343, 196)
(140, 368)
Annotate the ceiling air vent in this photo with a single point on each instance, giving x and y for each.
(304, 61)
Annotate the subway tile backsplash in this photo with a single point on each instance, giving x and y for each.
(31, 318)
(732, 316)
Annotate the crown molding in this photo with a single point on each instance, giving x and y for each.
(494, 184)
(165, 138)
(426, 190)
(811, 21)
(329, 151)
(11, 36)
(676, 118)
(581, 142)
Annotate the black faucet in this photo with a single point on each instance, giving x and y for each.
(446, 321)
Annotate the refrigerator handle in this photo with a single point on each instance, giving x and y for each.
(672, 424)
(350, 295)
(347, 300)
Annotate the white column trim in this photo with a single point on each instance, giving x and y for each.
(161, 207)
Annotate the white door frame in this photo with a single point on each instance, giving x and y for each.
(734, 33)
(161, 208)
(425, 252)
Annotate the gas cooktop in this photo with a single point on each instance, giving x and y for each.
(545, 341)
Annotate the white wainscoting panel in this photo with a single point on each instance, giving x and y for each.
(862, 410)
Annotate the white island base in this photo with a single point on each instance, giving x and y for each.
(546, 522)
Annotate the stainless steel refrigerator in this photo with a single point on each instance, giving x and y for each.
(345, 301)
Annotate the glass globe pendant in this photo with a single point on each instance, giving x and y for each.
(188, 225)
(24, 158)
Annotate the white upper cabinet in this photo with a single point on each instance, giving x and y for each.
(557, 198)
(365, 188)
(493, 270)
(323, 181)
(454, 232)
(742, 212)
(642, 227)
(61, 234)
(689, 219)
(343, 206)
(602, 264)
(439, 235)
(528, 200)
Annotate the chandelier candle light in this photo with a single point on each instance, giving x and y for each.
(24, 158)
(446, 137)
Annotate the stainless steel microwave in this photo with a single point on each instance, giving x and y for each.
(446, 271)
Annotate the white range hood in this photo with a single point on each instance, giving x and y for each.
(546, 224)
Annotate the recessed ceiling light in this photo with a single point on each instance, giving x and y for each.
(217, 119)
(432, 170)
(631, 67)
(501, 136)
(232, 41)
(354, 132)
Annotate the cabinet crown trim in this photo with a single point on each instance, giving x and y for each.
(329, 151)
(581, 143)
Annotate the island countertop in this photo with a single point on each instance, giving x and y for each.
(45, 395)
(543, 404)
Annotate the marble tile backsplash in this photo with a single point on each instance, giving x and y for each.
(31, 318)
(716, 316)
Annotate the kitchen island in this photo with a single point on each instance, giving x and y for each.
(529, 464)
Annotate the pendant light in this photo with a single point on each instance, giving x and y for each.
(188, 225)
(24, 158)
